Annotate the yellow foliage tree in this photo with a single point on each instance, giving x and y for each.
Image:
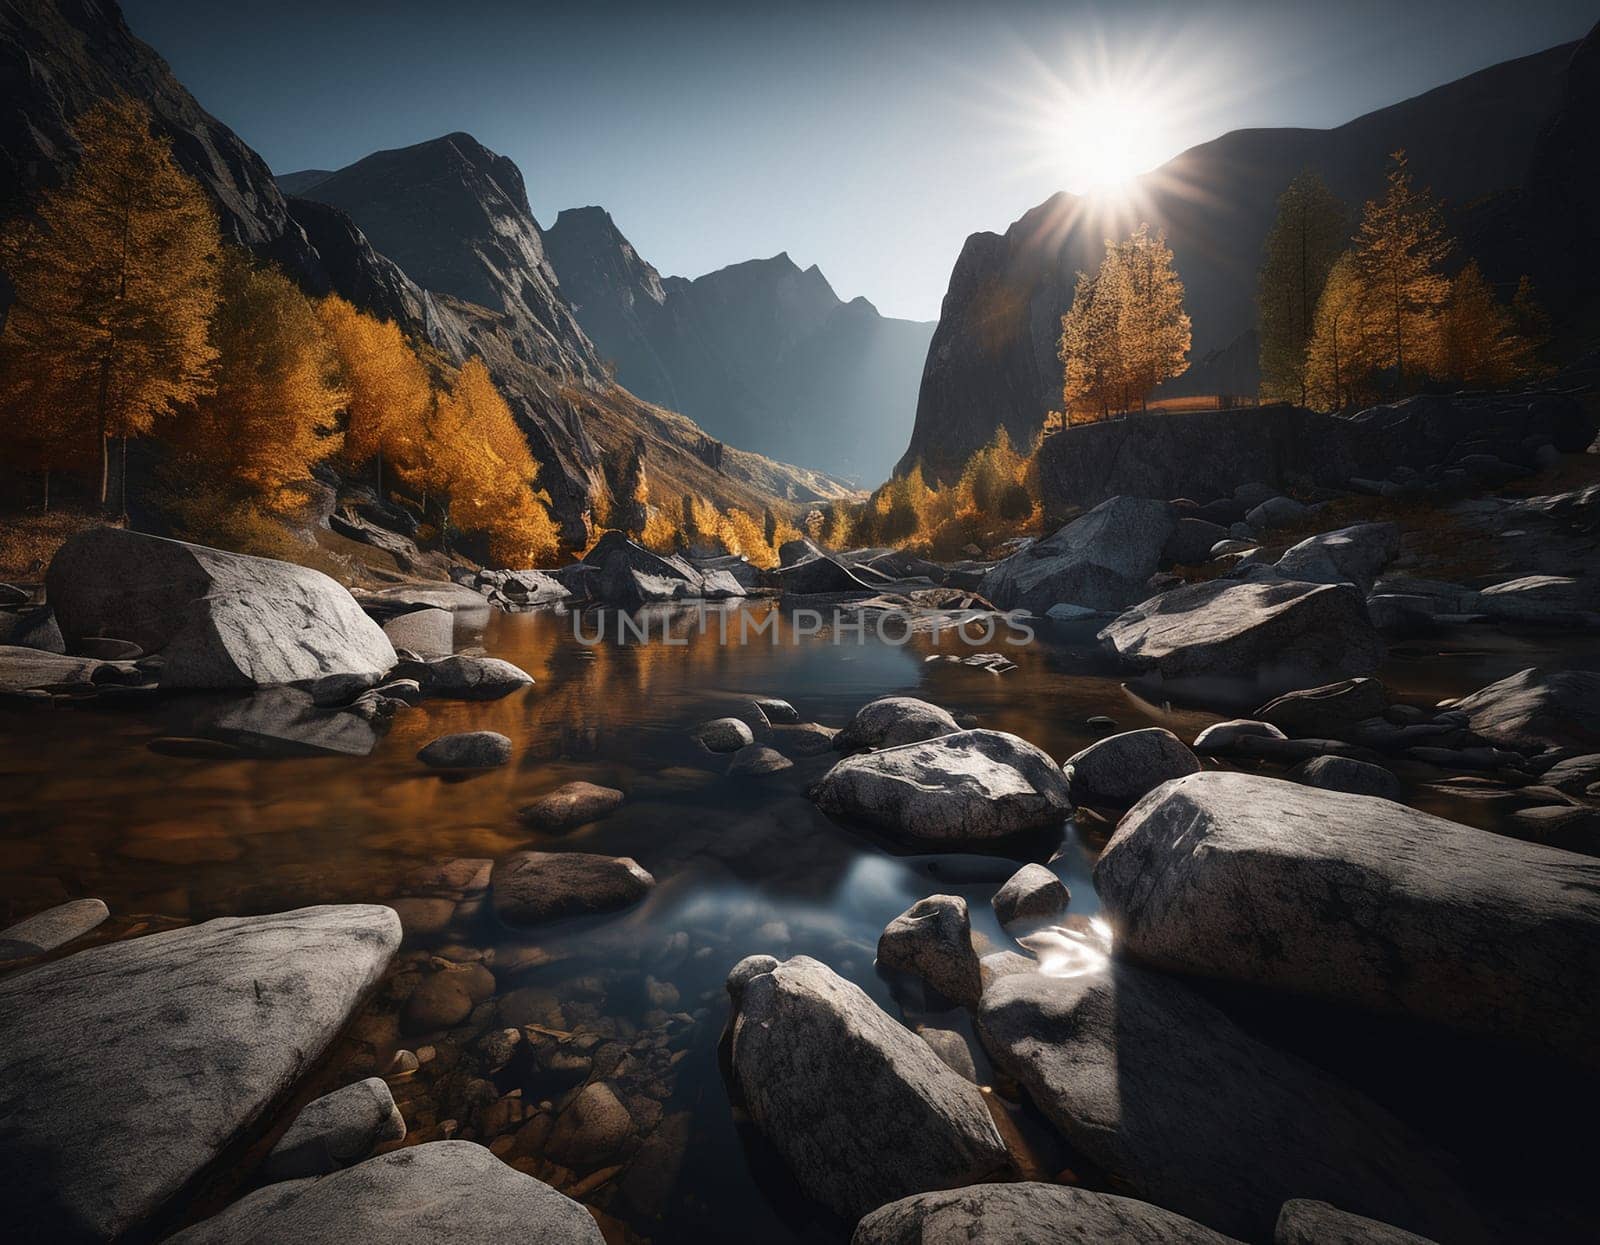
(389, 391)
(273, 411)
(115, 280)
(1343, 354)
(1477, 342)
(1399, 250)
(476, 466)
(1126, 331)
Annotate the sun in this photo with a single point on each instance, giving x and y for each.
(1108, 138)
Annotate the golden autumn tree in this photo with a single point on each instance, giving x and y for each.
(476, 467)
(390, 395)
(1400, 248)
(273, 412)
(1477, 341)
(1126, 331)
(1342, 356)
(115, 280)
(1307, 236)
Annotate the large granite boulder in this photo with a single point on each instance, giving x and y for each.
(1100, 560)
(1361, 901)
(445, 1193)
(1531, 711)
(858, 1106)
(1232, 640)
(1028, 1214)
(965, 786)
(1032, 893)
(891, 721)
(569, 806)
(822, 574)
(531, 888)
(465, 676)
(219, 620)
(1117, 771)
(1351, 555)
(1324, 712)
(129, 1067)
(1183, 1108)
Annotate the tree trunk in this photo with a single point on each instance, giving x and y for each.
(47, 490)
(124, 481)
(105, 430)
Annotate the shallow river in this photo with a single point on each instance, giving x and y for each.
(742, 865)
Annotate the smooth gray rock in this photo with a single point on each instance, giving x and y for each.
(530, 888)
(952, 1050)
(465, 677)
(1117, 771)
(754, 760)
(804, 739)
(1275, 512)
(24, 670)
(1351, 555)
(824, 574)
(335, 690)
(1572, 828)
(631, 576)
(1550, 599)
(1573, 775)
(1222, 737)
(1028, 1214)
(1100, 560)
(1359, 901)
(570, 805)
(860, 1108)
(456, 598)
(1032, 893)
(52, 928)
(1272, 636)
(1186, 1110)
(964, 786)
(932, 941)
(129, 1067)
(1530, 710)
(466, 751)
(219, 620)
(594, 1129)
(724, 735)
(1326, 711)
(444, 1193)
(428, 631)
(1305, 1221)
(893, 720)
(1349, 775)
(778, 712)
(335, 1131)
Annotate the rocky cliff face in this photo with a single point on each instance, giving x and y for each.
(762, 353)
(455, 216)
(993, 357)
(60, 57)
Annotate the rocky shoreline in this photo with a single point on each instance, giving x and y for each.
(1085, 1082)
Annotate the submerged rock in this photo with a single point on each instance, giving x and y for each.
(932, 941)
(530, 888)
(724, 735)
(465, 677)
(1118, 770)
(336, 1130)
(52, 928)
(753, 760)
(1032, 893)
(444, 1192)
(860, 1108)
(967, 785)
(1360, 901)
(1100, 560)
(893, 720)
(1028, 1214)
(129, 1067)
(1257, 636)
(1185, 1109)
(219, 620)
(570, 805)
(467, 751)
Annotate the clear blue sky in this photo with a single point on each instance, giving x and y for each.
(870, 139)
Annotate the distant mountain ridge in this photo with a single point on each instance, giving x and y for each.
(762, 353)
(992, 360)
